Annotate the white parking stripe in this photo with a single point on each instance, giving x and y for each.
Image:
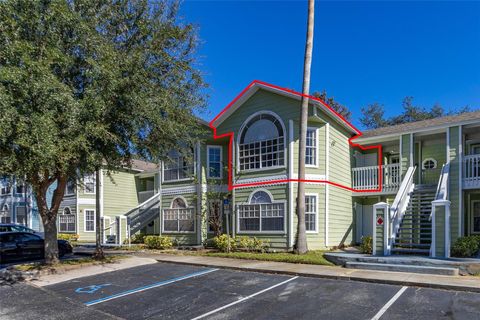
(243, 299)
(389, 303)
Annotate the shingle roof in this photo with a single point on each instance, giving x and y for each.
(414, 126)
(143, 165)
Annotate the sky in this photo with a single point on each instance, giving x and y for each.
(364, 52)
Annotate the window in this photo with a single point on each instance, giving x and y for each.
(179, 218)
(5, 214)
(89, 220)
(70, 188)
(21, 215)
(261, 143)
(66, 221)
(311, 213)
(19, 186)
(177, 167)
(311, 148)
(5, 187)
(429, 163)
(476, 216)
(261, 214)
(89, 182)
(475, 148)
(214, 154)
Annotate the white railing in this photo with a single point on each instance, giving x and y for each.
(366, 178)
(145, 195)
(441, 200)
(471, 171)
(67, 223)
(399, 205)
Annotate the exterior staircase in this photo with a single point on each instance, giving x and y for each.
(415, 233)
(143, 214)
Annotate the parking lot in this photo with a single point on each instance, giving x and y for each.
(171, 291)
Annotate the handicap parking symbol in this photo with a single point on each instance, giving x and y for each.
(91, 289)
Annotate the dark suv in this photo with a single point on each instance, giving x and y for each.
(26, 245)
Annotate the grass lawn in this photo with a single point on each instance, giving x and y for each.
(312, 257)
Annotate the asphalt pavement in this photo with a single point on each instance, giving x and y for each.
(175, 291)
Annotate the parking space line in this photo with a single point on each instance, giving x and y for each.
(243, 299)
(151, 286)
(389, 303)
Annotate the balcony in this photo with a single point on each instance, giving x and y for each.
(471, 171)
(366, 178)
(145, 195)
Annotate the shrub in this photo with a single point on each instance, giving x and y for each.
(466, 246)
(138, 238)
(158, 242)
(68, 236)
(252, 244)
(366, 246)
(221, 243)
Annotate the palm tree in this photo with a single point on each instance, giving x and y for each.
(301, 240)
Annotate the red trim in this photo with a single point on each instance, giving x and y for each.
(232, 186)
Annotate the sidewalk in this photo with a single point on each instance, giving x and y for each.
(459, 283)
(90, 270)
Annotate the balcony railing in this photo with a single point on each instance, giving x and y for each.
(471, 171)
(145, 195)
(366, 178)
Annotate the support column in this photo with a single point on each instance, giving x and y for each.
(381, 227)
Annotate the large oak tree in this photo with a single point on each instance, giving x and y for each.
(85, 84)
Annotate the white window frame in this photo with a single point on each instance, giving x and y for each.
(213, 147)
(315, 213)
(66, 189)
(316, 148)
(5, 187)
(260, 217)
(18, 183)
(178, 220)
(237, 147)
(429, 159)
(85, 220)
(472, 204)
(89, 177)
(182, 179)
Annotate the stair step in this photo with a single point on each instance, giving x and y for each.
(405, 244)
(402, 268)
(411, 251)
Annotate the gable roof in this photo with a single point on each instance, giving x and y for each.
(424, 124)
(256, 85)
(140, 165)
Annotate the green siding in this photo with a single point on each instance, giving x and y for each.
(405, 154)
(453, 179)
(119, 193)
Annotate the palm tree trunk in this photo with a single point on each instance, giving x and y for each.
(301, 239)
(99, 255)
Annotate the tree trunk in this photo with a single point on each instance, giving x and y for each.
(99, 255)
(49, 215)
(301, 239)
(51, 244)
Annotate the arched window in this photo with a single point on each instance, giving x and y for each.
(179, 218)
(178, 203)
(5, 209)
(261, 214)
(261, 143)
(260, 197)
(429, 163)
(66, 210)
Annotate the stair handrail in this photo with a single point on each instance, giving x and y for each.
(442, 186)
(131, 211)
(397, 210)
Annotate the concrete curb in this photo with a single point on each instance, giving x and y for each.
(337, 273)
